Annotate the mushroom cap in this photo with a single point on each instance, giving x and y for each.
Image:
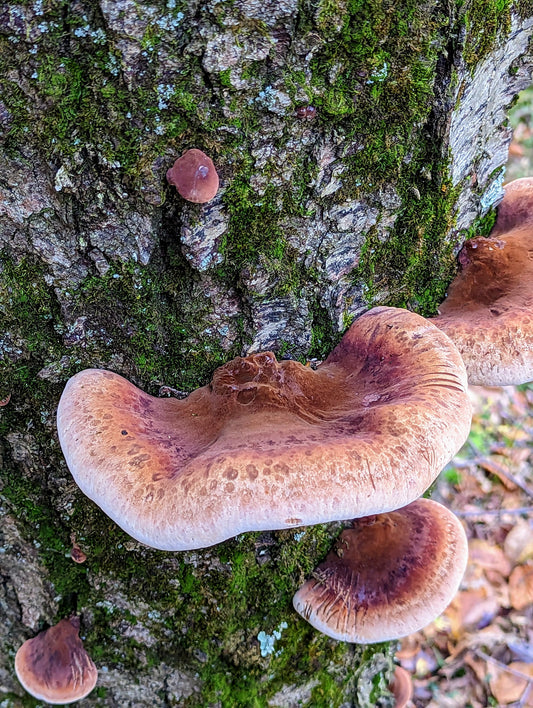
(388, 576)
(194, 176)
(516, 208)
(401, 687)
(488, 311)
(271, 445)
(54, 667)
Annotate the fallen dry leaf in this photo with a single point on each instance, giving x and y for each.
(518, 545)
(488, 556)
(516, 150)
(507, 687)
(521, 587)
(469, 609)
(498, 470)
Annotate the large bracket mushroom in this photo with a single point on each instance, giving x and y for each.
(272, 445)
(488, 311)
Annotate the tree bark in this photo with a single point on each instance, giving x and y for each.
(358, 144)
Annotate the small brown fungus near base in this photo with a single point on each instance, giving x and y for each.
(401, 687)
(194, 176)
(488, 311)
(271, 445)
(397, 572)
(54, 666)
(306, 112)
(77, 555)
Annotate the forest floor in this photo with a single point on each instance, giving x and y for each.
(480, 651)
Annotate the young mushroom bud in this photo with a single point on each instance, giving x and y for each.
(387, 576)
(194, 176)
(54, 667)
(272, 445)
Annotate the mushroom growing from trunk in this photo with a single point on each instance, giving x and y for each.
(194, 176)
(272, 445)
(488, 311)
(388, 575)
(54, 667)
(401, 687)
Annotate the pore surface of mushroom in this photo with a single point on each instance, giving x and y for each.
(271, 445)
(194, 176)
(488, 311)
(54, 667)
(388, 576)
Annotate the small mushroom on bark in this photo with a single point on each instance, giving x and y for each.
(488, 311)
(54, 667)
(270, 445)
(401, 687)
(77, 555)
(194, 176)
(388, 575)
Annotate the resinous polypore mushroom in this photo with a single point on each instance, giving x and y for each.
(194, 176)
(388, 575)
(54, 667)
(488, 311)
(272, 445)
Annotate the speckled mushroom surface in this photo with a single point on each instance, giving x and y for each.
(488, 311)
(54, 666)
(388, 576)
(195, 177)
(272, 445)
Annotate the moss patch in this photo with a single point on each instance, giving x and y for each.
(486, 22)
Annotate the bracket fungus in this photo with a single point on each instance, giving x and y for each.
(271, 445)
(388, 575)
(488, 311)
(194, 176)
(54, 666)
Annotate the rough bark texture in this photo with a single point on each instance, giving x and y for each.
(363, 201)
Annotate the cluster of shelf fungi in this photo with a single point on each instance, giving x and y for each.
(273, 445)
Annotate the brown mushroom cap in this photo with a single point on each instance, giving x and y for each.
(54, 667)
(488, 312)
(194, 176)
(271, 445)
(401, 687)
(388, 576)
(516, 209)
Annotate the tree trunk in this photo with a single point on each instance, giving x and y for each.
(356, 143)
